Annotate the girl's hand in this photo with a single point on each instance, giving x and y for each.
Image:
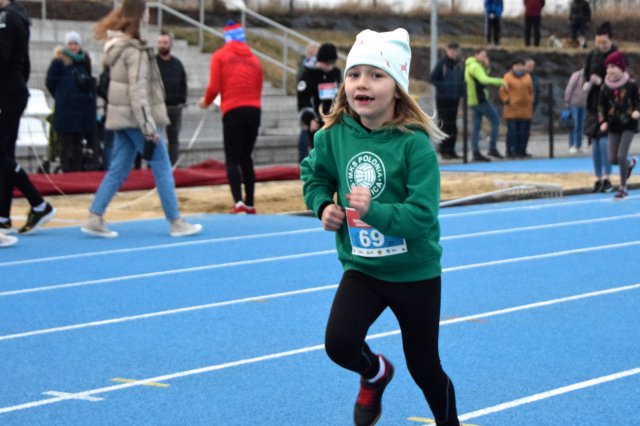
(202, 104)
(603, 127)
(332, 217)
(360, 199)
(635, 114)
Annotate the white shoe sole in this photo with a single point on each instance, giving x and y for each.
(195, 230)
(7, 240)
(109, 234)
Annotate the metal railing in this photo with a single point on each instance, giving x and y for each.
(288, 37)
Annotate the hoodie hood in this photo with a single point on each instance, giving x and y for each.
(238, 47)
(21, 11)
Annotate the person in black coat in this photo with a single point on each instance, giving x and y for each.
(174, 79)
(579, 18)
(448, 78)
(15, 67)
(70, 83)
(594, 73)
(318, 87)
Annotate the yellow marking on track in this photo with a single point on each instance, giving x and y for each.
(431, 421)
(152, 384)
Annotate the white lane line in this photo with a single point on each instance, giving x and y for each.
(167, 272)
(284, 233)
(540, 256)
(540, 227)
(549, 394)
(159, 247)
(254, 360)
(304, 255)
(606, 200)
(168, 312)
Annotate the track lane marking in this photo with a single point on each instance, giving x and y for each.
(549, 394)
(158, 247)
(276, 234)
(301, 256)
(167, 272)
(262, 358)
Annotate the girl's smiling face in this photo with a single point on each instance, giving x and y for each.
(371, 93)
(614, 72)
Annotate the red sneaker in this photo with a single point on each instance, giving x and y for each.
(368, 408)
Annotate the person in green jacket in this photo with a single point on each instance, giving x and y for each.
(374, 154)
(477, 79)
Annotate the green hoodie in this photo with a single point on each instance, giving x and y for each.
(401, 170)
(475, 75)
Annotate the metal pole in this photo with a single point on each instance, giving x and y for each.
(44, 10)
(200, 31)
(434, 41)
(550, 120)
(465, 126)
(160, 15)
(285, 60)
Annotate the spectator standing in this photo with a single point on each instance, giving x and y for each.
(517, 98)
(15, 67)
(73, 88)
(532, 18)
(594, 73)
(575, 99)
(477, 79)
(448, 79)
(492, 14)
(307, 61)
(236, 75)
(317, 89)
(579, 18)
(619, 111)
(374, 160)
(174, 79)
(136, 112)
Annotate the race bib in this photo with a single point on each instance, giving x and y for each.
(367, 241)
(327, 91)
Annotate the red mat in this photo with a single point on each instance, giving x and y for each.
(209, 172)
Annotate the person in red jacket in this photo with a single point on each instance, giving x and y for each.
(532, 17)
(236, 75)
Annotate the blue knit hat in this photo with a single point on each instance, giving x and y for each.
(388, 51)
(233, 32)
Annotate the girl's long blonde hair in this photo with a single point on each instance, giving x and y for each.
(407, 114)
(125, 18)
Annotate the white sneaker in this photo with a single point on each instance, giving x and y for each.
(182, 228)
(573, 150)
(7, 240)
(97, 227)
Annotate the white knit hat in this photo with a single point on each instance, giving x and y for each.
(389, 51)
(72, 36)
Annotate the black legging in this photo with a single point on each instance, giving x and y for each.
(240, 130)
(359, 301)
(532, 24)
(11, 174)
(448, 114)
